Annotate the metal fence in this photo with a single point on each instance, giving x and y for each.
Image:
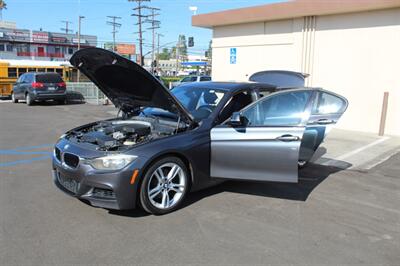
(89, 91)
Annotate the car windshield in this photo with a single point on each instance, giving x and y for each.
(199, 102)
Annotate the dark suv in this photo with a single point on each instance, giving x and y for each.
(36, 86)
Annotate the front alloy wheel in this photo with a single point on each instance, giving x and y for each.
(164, 186)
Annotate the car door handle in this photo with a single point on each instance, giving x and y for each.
(288, 138)
(325, 121)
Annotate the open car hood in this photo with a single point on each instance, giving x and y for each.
(128, 85)
(280, 78)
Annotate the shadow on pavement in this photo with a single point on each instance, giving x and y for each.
(309, 178)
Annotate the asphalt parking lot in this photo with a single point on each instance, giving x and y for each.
(345, 209)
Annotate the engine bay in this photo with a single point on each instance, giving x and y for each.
(118, 134)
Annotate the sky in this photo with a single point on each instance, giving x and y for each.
(175, 18)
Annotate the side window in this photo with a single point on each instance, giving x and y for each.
(21, 71)
(20, 79)
(328, 104)
(28, 78)
(12, 72)
(193, 79)
(235, 104)
(205, 78)
(264, 92)
(283, 109)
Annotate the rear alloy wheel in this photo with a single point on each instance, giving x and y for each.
(164, 186)
(28, 99)
(13, 98)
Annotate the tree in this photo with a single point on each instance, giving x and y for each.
(3, 5)
(209, 50)
(182, 47)
(165, 54)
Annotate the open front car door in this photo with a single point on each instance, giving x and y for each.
(262, 142)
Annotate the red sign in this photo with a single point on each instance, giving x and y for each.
(40, 37)
(126, 49)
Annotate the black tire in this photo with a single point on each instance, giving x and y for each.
(61, 102)
(28, 99)
(144, 198)
(13, 100)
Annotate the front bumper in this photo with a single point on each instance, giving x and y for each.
(110, 190)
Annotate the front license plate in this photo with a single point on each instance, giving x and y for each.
(68, 183)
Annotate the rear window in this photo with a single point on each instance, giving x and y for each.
(48, 78)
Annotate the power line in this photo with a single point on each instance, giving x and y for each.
(114, 25)
(66, 29)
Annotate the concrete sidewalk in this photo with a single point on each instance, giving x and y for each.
(355, 150)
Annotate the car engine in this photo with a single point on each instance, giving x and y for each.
(110, 135)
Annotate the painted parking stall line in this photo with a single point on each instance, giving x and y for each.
(28, 150)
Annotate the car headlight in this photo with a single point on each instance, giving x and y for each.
(111, 162)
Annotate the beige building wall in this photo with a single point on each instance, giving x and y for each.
(356, 55)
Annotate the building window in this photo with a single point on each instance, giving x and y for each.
(70, 51)
(12, 72)
(9, 47)
(1, 47)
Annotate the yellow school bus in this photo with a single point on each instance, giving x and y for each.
(10, 70)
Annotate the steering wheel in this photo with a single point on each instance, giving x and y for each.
(206, 108)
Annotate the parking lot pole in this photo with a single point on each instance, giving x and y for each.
(383, 113)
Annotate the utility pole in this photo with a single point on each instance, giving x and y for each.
(178, 45)
(139, 15)
(114, 25)
(79, 42)
(66, 29)
(155, 24)
(158, 48)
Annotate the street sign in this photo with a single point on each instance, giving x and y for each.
(232, 58)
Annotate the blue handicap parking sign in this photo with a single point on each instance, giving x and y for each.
(233, 59)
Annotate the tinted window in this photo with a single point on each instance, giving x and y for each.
(328, 104)
(205, 78)
(189, 79)
(28, 78)
(21, 71)
(20, 79)
(48, 78)
(12, 72)
(284, 109)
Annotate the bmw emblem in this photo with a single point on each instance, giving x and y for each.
(66, 146)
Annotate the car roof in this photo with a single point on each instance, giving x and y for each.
(228, 86)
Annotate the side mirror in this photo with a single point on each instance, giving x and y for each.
(237, 119)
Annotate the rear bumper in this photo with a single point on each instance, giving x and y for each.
(49, 96)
